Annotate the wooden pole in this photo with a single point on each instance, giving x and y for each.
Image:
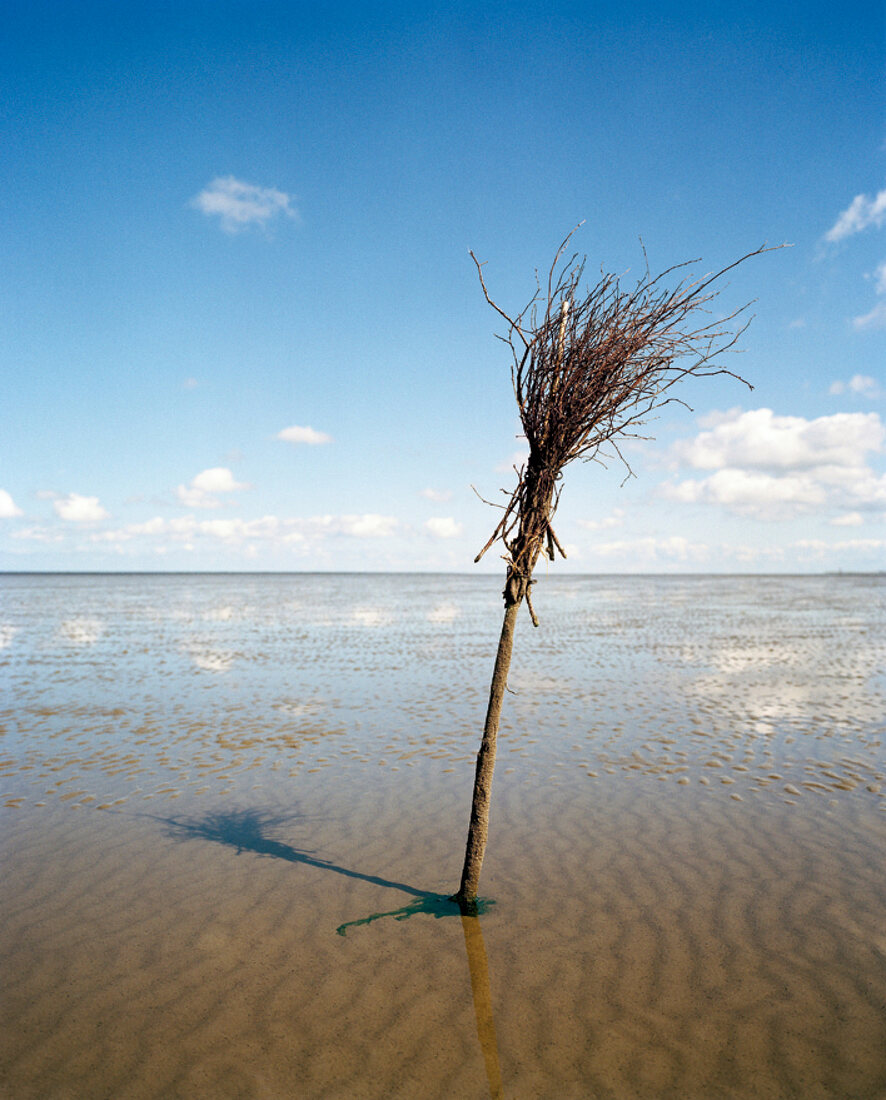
(478, 829)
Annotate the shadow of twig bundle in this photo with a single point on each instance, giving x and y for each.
(252, 831)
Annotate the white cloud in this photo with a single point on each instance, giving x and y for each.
(205, 487)
(518, 459)
(79, 509)
(238, 204)
(675, 548)
(193, 498)
(850, 519)
(297, 434)
(716, 417)
(8, 508)
(861, 213)
(439, 496)
(758, 439)
(217, 479)
(444, 527)
(775, 467)
(751, 493)
(819, 549)
(38, 534)
(875, 318)
(269, 529)
(860, 384)
(363, 527)
(614, 519)
(225, 528)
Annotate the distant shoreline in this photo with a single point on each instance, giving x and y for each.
(400, 573)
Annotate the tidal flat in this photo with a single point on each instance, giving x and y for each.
(232, 807)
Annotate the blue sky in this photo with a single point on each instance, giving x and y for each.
(241, 329)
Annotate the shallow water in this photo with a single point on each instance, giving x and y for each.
(204, 778)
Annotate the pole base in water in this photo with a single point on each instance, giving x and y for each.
(472, 907)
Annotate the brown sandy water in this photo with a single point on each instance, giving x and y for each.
(207, 780)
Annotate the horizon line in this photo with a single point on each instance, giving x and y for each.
(409, 573)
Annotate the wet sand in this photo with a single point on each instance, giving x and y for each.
(685, 857)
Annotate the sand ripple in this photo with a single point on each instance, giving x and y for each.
(201, 784)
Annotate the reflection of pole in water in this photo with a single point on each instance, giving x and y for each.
(479, 968)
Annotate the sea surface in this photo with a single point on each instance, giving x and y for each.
(232, 808)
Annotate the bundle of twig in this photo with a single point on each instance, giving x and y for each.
(588, 369)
